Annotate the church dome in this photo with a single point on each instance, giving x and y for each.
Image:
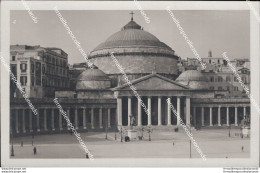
(194, 79)
(93, 79)
(132, 35)
(137, 51)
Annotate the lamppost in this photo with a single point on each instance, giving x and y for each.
(121, 133)
(149, 131)
(12, 150)
(229, 127)
(190, 139)
(106, 125)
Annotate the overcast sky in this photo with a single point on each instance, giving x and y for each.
(220, 31)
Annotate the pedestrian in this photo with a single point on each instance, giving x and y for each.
(87, 156)
(242, 148)
(34, 151)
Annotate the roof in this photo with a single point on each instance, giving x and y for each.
(132, 35)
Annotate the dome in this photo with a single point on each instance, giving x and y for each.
(137, 51)
(194, 79)
(132, 35)
(93, 79)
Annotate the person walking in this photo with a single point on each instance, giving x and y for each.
(34, 151)
(242, 148)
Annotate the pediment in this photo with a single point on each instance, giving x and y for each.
(153, 82)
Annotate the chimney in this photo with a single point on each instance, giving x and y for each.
(210, 54)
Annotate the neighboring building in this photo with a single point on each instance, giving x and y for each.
(101, 97)
(220, 77)
(40, 71)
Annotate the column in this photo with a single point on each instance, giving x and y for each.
(92, 118)
(76, 118)
(149, 111)
(84, 118)
(30, 120)
(119, 111)
(227, 116)
(23, 121)
(38, 121)
(45, 119)
(178, 110)
(60, 121)
(219, 119)
(235, 115)
(52, 119)
(68, 115)
(129, 110)
(202, 116)
(17, 120)
(210, 116)
(159, 111)
(108, 118)
(194, 116)
(187, 110)
(139, 112)
(169, 112)
(100, 118)
(244, 111)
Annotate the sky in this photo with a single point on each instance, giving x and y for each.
(218, 31)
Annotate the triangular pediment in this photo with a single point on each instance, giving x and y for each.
(153, 82)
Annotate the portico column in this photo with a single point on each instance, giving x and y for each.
(84, 118)
(159, 111)
(244, 111)
(45, 119)
(100, 118)
(194, 116)
(16, 120)
(108, 118)
(68, 115)
(149, 111)
(187, 110)
(76, 118)
(139, 112)
(38, 121)
(119, 111)
(178, 110)
(52, 119)
(23, 121)
(202, 116)
(227, 116)
(169, 112)
(210, 116)
(235, 115)
(92, 118)
(219, 110)
(30, 120)
(129, 110)
(60, 121)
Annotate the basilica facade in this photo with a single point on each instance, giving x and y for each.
(101, 99)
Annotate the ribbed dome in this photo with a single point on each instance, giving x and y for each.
(131, 35)
(194, 79)
(93, 79)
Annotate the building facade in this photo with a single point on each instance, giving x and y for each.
(100, 97)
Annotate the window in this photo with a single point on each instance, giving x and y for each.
(43, 69)
(228, 89)
(220, 88)
(235, 88)
(13, 69)
(220, 79)
(211, 79)
(210, 61)
(235, 79)
(32, 80)
(244, 80)
(32, 68)
(13, 58)
(23, 67)
(225, 62)
(218, 61)
(227, 78)
(23, 80)
(211, 88)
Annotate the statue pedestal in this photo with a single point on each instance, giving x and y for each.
(132, 134)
